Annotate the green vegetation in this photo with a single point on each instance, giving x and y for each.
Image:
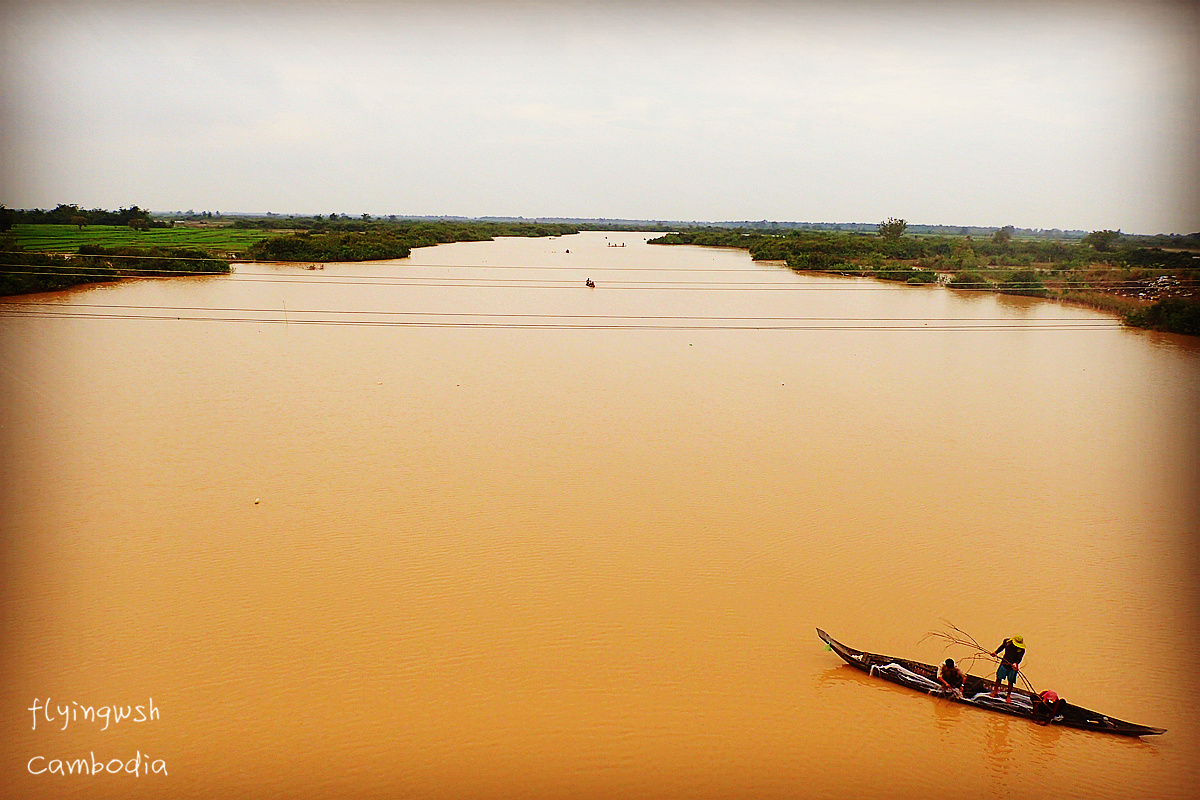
(1147, 285)
(68, 238)
(48, 250)
(1171, 314)
(1148, 280)
(1023, 281)
(311, 241)
(73, 215)
(373, 240)
(155, 261)
(331, 246)
(892, 228)
(26, 272)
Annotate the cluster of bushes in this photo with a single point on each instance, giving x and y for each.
(336, 239)
(25, 272)
(966, 279)
(354, 240)
(1024, 282)
(816, 250)
(422, 233)
(152, 261)
(1171, 314)
(1101, 270)
(330, 246)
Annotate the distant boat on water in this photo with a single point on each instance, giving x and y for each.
(923, 678)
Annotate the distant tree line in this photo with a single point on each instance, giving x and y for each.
(64, 214)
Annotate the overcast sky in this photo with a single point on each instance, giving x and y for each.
(1077, 114)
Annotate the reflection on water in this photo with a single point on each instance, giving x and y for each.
(946, 713)
(998, 748)
(1044, 741)
(460, 526)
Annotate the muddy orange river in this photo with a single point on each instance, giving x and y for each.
(459, 526)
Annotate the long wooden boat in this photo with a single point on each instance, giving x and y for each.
(977, 692)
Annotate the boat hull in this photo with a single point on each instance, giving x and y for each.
(977, 691)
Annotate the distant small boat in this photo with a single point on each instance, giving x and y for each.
(977, 692)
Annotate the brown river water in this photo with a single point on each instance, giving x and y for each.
(456, 526)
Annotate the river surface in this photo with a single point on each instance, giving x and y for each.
(457, 526)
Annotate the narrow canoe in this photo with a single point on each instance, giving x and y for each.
(977, 691)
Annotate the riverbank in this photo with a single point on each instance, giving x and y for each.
(373, 241)
(30, 272)
(42, 258)
(1147, 287)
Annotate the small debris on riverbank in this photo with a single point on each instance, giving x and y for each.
(1163, 286)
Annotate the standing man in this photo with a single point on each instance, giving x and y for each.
(1014, 651)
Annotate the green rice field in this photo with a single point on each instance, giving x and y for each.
(68, 238)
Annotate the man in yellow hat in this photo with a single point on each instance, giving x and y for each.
(1014, 651)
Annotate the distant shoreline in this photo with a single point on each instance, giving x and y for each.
(51, 257)
(1146, 287)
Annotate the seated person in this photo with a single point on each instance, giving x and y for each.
(1046, 706)
(951, 677)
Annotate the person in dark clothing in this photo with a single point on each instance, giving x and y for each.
(1014, 651)
(951, 677)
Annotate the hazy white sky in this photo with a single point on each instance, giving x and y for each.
(1073, 114)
